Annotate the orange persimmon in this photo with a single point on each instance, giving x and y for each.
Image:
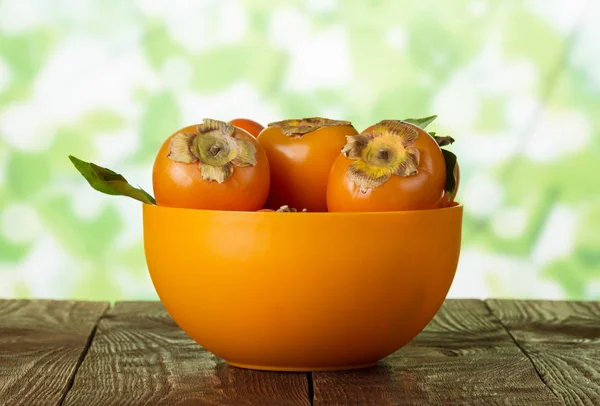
(300, 154)
(251, 126)
(213, 165)
(392, 165)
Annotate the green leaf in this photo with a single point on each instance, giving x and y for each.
(106, 181)
(450, 160)
(421, 122)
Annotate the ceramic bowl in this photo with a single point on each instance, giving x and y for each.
(302, 291)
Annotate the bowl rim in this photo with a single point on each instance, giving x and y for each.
(456, 207)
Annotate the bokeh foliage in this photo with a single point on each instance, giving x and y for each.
(517, 83)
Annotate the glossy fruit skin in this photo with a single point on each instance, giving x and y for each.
(250, 126)
(273, 292)
(300, 165)
(181, 185)
(417, 192)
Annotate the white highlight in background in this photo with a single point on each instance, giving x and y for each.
(396, 38)
(176, 74)
(558, 236)
(482, 195)
(558, 133)
(199, 25)
(46, 267)
(241, 98)
(509, 222)
(482, 274)
(286, 25)
(17, 17)
(24, 126)
(20, 223)
(319, 62)
(322, 6)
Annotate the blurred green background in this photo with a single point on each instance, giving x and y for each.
(517, 83)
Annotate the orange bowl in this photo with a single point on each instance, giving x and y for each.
(302, 291)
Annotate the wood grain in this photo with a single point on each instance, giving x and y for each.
(463, 357)
(562, 339)
(140, 357)
(42, 343)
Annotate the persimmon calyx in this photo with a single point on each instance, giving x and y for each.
(301, 126)
(450, 161)
(287, 209)
(386, 151)
(443, 141)
(215, 148)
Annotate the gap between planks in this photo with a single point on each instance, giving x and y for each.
(520, 347)
(42, 342)
(138, 352)
(88, 344)
(311, 388)
(562, 338)
(464, 356)
(310, 376)
(92, 336)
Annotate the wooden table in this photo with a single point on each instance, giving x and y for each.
(472, 353)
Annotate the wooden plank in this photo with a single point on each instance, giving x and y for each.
(464, 356)
(563, 341)
(139, 356)
(42, 343)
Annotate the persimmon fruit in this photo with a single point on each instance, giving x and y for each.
(214, 165)
(391, 166)
(253, 127)
(319, 164)
(301, 153)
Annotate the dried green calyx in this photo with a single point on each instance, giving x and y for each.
(385, 151)
(442, 141)
(451, 163)
(214, 146)
(299, 127)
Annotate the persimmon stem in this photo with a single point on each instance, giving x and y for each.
(383, 154)
(214, 150)
(301, 126)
